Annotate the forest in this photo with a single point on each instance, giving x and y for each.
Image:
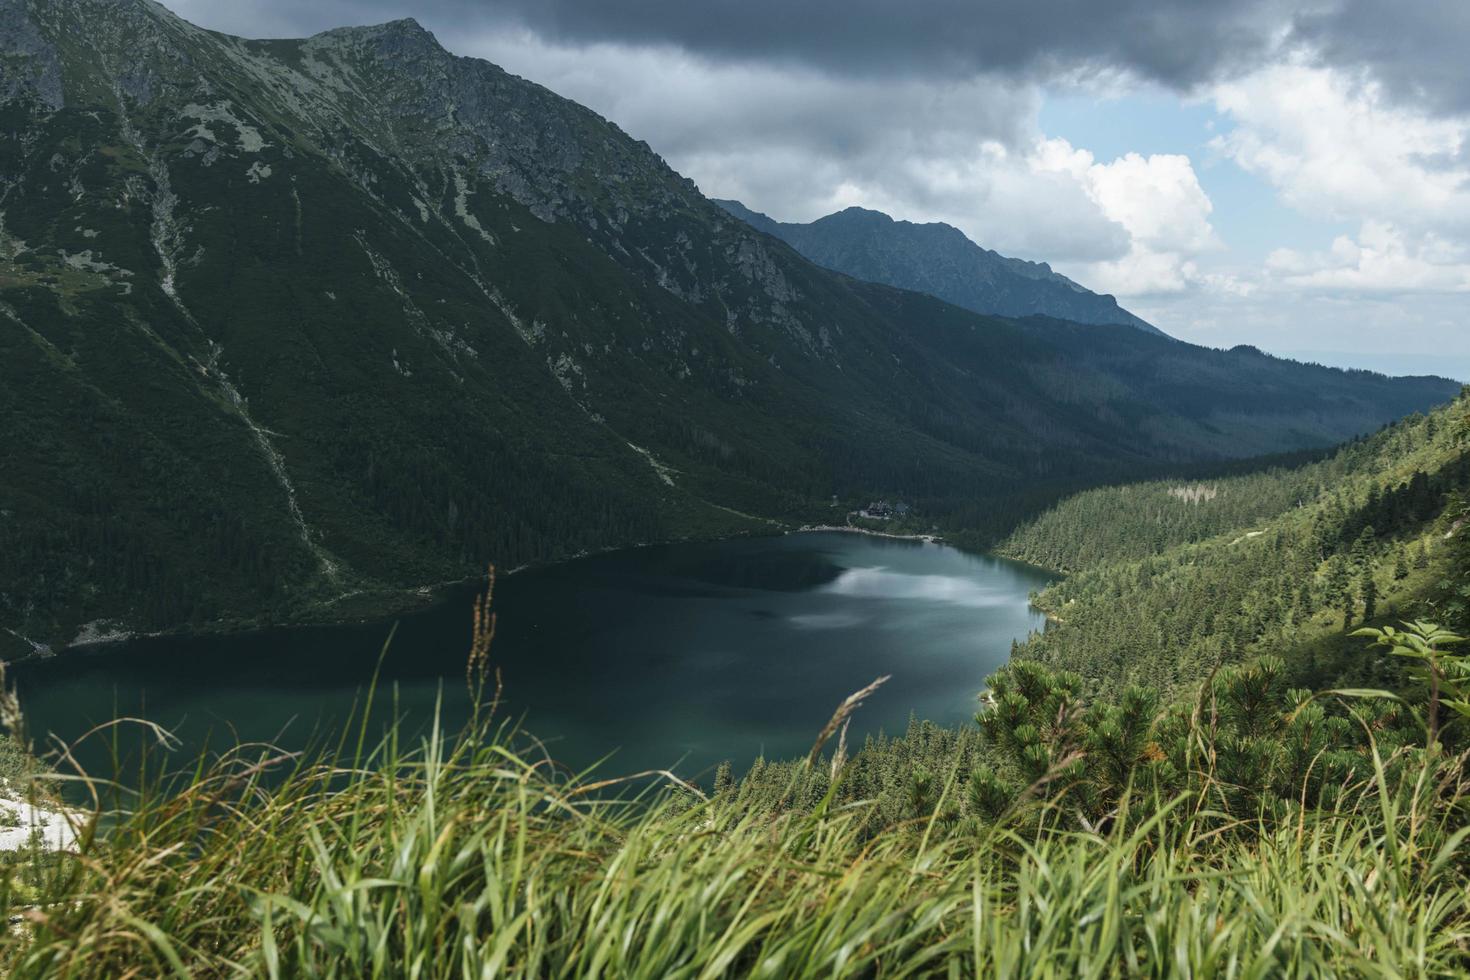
(1238, 751)
(230, 400)
(1243, 595)
(1170, 580)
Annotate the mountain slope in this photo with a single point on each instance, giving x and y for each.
(288, 327)
(1169, 580)
(938, 259)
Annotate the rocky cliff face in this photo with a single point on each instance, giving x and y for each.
(938, 259)
(290, 326)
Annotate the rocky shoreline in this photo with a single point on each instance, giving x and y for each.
(26, 824)
(850, 529)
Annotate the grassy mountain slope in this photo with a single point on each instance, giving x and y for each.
(468, 857)
(1222, 820)
(1246, 828)
(938, 259)
(1084, 826)
(1172, 579)
(292, 328)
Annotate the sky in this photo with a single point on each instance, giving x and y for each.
(1294, 176)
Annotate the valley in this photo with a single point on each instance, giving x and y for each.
(731, 651)
(290, 320)
(861, 601)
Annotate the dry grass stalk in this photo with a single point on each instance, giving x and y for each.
(481, 639)
(839, 758)
(840, 716)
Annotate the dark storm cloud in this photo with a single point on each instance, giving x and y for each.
(1175, 41)
(1415, 47)
(1419, 49)
(1178, 42)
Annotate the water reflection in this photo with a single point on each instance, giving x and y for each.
(685, 654)
(880, 583)
(827, 621)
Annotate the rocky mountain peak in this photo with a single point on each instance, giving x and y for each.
(350, 313)
(408, 27)
(939, 259)
(29, 63)
(395, 37)
(861, 214)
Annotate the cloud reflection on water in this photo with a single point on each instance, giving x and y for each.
(880, 583)
(826, 621)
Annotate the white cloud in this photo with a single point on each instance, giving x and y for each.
(1380, 259)
(1158, 200)
(1335, 147)
(1394, 332)
(799, 144)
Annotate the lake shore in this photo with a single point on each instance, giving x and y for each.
(850, 529)
(360, 606)
(763, 634)
(366, 605)
(380, 604)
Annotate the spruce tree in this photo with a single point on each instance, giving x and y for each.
(1304, 600)
(1364, 547)
(1339, 579)
(724, 779)
(1368, 589)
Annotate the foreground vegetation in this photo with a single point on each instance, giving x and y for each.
(1190, 802)
(1251, 831)
(473, 858)
(1172, 579)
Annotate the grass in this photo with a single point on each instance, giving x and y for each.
(477, 856)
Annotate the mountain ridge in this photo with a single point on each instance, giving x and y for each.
(939, 259)
(286, 325)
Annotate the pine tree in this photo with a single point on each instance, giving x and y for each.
(1304, 600)
(922, 795)
(724, 779)
(1401, 566)
(1364, 547)
(1339, 579)
(989, 795)
(1368, 589)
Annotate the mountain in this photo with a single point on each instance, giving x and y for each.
(1219, 810)
(939, 260)
(1169, 580)
(290, 329)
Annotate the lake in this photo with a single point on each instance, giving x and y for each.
(678, 655)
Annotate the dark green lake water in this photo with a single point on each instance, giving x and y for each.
(680, 655)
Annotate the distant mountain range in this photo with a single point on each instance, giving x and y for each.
(939, 260)
(291, 328)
